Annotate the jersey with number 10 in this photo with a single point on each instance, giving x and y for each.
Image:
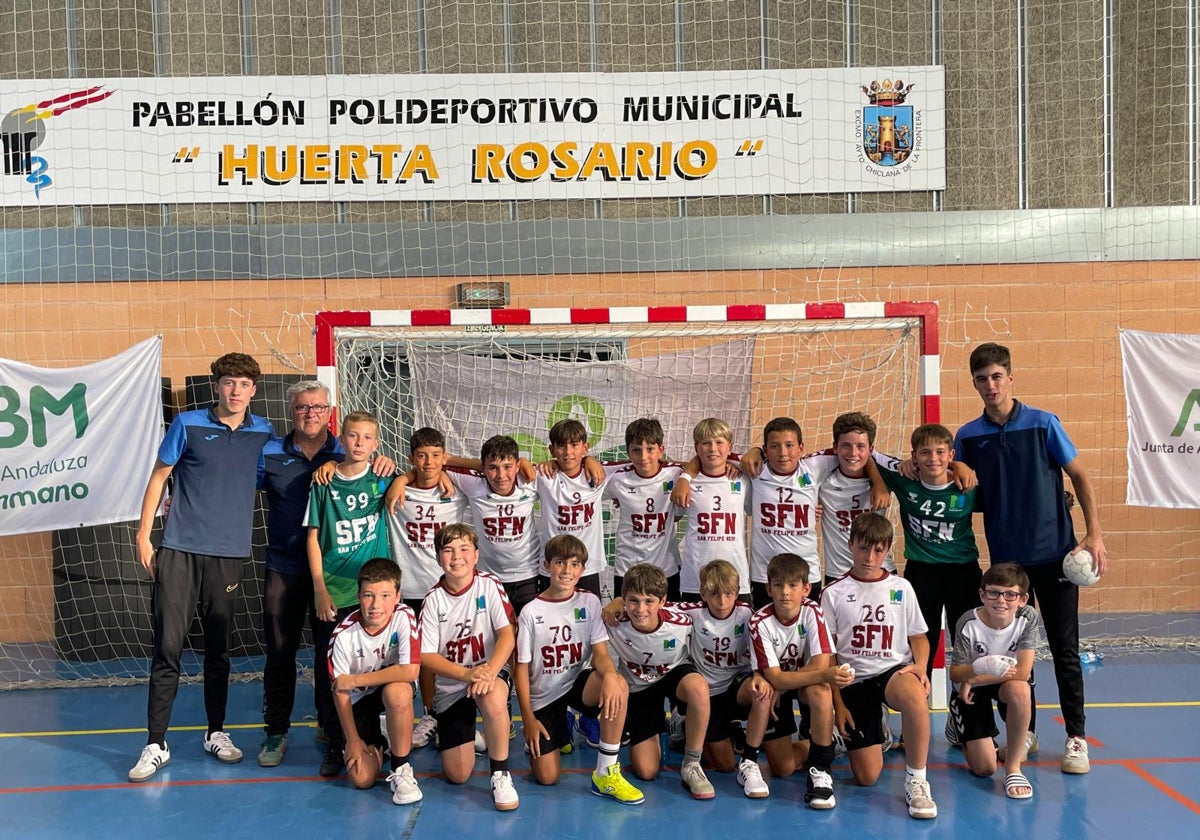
(716, 529)
(645, 518)
(509, 547)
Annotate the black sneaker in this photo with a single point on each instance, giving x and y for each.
(332, 764)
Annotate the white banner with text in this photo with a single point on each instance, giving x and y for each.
(1162, 405)
(77, 444)
(471, 137)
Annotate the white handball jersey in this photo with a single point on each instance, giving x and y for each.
(783, 515)
(645, 658)
(352, 650)
(976, 640)
(555, 639)
(509, 547)
(572, 506)
(789, 646)
(411, 531)
(716, 529)
(720, 647)
(842, 499)
(871, 622)
(645, 518)
(462, 627)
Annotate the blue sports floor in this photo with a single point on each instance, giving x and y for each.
(64, 755)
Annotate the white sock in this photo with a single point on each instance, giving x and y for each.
(606, 756)
(914, 773)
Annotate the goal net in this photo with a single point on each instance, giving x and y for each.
(474, 374)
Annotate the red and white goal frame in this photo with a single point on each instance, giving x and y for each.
(921, 316)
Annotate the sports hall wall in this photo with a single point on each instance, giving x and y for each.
(1070, 210)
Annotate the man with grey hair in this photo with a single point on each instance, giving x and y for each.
(288, 588)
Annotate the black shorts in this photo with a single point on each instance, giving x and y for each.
(783, 725)
(521, 592)
(974, 721)
(553, 715)
(864, 700)
(724, 710)
(647, 716)
(456, 725)
(366, 718)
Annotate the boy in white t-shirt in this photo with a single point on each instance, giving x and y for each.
(467, 638)
(374, 656)
(993, 661)
(563, 661)
(879, 632)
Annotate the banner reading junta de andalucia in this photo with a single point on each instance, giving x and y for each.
(471, 137)
(77, 444)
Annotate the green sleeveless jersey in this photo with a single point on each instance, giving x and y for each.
(347, 514)
(937, 523)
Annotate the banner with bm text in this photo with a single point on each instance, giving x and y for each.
(1162, 397)
(77, 444)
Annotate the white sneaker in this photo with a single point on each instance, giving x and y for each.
(750, 777)
(405, 790)
(920, 800)
(220, 745)
(695, 781)
(480, 743)
(819, 791)
(424, 731)
(153, 758)
(1031, 746)
(503, 792)
(1075, 757)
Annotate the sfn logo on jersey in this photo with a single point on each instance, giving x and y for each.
(481, 602)
(668, 644)
(738, 629)
(580, 614)
(895, 596)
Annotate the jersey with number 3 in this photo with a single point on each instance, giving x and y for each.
(716, 529)
(462, 627)
(645, 518)
(871, 622)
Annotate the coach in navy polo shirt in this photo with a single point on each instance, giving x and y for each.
(289, 464)
(1020, 454)
(213, 455)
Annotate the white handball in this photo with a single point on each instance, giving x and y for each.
(995, 665)
(845, 668)
(1077, 568)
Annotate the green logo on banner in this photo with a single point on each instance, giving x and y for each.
(586, 410)
(41, 403)
(1190, 404)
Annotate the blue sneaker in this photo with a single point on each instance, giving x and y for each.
(590, 727)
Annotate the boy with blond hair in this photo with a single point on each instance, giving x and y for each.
(345, 530)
